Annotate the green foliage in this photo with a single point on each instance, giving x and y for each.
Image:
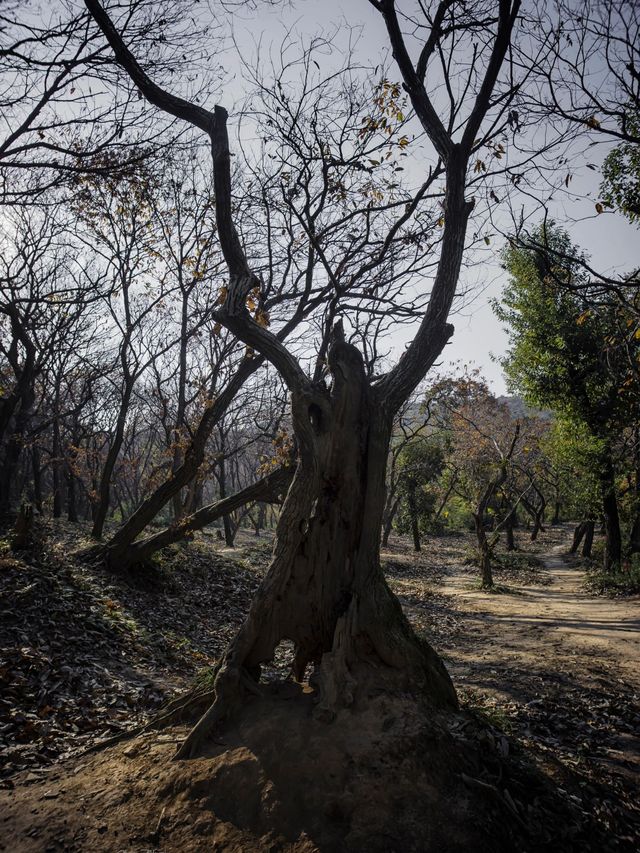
(620, 186)
(419, 464)
(567, 352)
(457, 516)
(576, 350)
(624, 581)
(575, 455)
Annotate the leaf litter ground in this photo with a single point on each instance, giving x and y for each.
(85, 655)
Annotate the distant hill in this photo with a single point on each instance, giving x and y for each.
(519, 409)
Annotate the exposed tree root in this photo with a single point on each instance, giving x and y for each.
(179, 709)
(229, 691)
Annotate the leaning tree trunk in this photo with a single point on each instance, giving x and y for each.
(578, 535)
(269, 488)
(104, 489)
(325, 590)
(509, 523)
(589, 529)
(536, 513)
(613, 543)
(115, 551)
(387, 523)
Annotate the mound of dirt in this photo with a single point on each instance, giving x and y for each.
(387, 777)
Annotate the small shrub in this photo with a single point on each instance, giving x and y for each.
(623, 581)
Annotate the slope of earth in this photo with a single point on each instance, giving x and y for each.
(535, 681)
(85, 654)
(384, 778)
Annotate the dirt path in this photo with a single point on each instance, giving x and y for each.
(558, 626)
(559, 669)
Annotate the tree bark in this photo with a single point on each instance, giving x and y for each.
(508, 526)
(37, 477)
(538, 524)
(447, 495)
(178, 455)
(484, 547)
(325, 589)
(484, 551)
(115, 550)
(72, 508)
(613, 543)
(389, 515)
(634, 535)
(104, 489)
(14, 448)
(270, 488)
(22, 533)
(589, 530)
(578, 535)
(229, 532)
(536, 512)
(413, 516)
(258, 523)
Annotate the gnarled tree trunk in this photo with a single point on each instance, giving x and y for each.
(269, 488)
(325, 590)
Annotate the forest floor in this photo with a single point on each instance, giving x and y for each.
(553, 670)
(548, 663)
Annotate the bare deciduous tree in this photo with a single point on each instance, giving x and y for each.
(328, 536)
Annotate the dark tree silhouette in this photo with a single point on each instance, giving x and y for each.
(325, 590)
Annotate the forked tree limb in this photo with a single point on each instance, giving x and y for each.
(434, 331)
(242, 280)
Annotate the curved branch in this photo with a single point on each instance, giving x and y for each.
(242, 280)
(414, 85)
